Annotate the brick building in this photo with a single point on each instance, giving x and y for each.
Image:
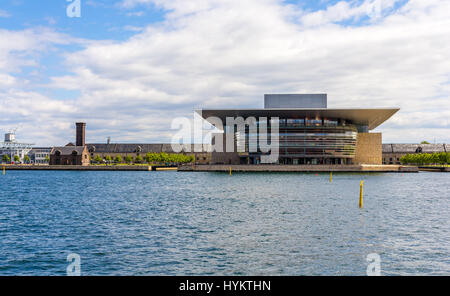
(70, 154)
(133, 150)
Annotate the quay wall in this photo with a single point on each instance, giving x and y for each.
(75, 168)
(298, 168)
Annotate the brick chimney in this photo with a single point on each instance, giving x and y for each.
(81, 134)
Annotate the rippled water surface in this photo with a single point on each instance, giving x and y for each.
(169, 223)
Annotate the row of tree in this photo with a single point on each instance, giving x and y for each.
(426, 158)
(148, 158)
(7, 159)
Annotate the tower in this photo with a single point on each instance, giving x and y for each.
(81, 134)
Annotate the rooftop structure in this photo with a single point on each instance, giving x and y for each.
(295, 101)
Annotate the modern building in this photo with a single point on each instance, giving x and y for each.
(309, 132)
(40, 155)
(70, 154)
(12, 148)
(393, 152)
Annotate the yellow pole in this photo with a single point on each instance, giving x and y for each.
(361, 188)
(331, 176)
(4, 172)
(230, 171)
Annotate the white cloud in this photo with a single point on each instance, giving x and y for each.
(135, 13)
(4, 13)
(227, 54)
(352, 10)
(133, 28)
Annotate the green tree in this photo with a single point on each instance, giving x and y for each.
(26, 159)
(98, 159)
(6, 158)
(138, 159)
(172, 158)
(128, 159)
(118, 159)
(152, 157)
(47, 159)
(108, 158)
(424, 142)
(164, 157)
(16, 158)
(426, 158)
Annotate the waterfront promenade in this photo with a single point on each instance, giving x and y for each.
(76, 168)
(298, 168)
(222, 168)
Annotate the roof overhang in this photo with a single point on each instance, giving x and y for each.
(372, 118)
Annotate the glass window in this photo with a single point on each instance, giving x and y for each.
(295, 122)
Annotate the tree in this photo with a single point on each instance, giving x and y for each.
(108, 158)
(97, 159)
(128, 159)
(138, 159)
(47, 159)
(16, 158)
(118, 159)
(164, 157)
(426, 158)
(424, 142)
(26, 159)
(151, 157)
(6, 158)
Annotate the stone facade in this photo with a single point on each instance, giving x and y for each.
(368, 149)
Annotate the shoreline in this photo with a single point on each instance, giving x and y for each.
(234, 168)
(300, 168)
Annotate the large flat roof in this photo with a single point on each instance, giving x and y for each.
(370, 117)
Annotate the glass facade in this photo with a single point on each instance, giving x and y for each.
(304, 141)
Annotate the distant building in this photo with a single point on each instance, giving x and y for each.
(393, 152)
(12, 148)
(81, 153)
(40, 155)
(70, 154)
(133, 150)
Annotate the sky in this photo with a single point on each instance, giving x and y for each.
(128, 67)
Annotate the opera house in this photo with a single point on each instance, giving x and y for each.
(308, 132)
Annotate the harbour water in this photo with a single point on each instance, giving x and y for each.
(169, 223)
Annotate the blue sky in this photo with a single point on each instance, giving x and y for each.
(128, 67)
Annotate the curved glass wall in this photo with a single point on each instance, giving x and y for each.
(303, 141)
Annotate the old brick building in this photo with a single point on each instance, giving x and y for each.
(70, 154)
